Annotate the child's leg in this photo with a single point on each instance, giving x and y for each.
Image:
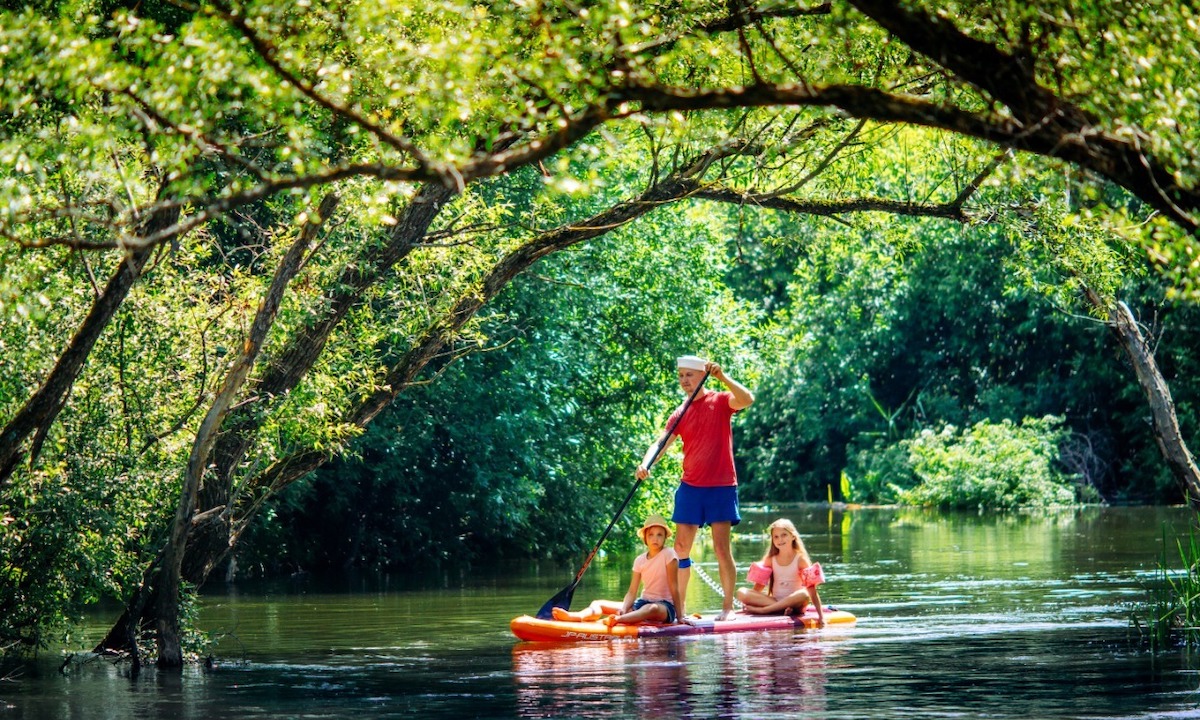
(753, 598)
(596, 610)
(600, 608)
(797, 601)
(650, 612)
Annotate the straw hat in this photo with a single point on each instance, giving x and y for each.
(654, 521)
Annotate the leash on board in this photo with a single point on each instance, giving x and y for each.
(714, 585)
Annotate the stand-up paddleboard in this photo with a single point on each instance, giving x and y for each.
(535, 629)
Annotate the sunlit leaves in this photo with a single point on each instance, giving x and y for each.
(990, 466)
(256, 103)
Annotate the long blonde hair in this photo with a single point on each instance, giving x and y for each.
(797, 543)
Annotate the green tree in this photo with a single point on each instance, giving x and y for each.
(158, 162)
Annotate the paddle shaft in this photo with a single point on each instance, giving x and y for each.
(662, 443)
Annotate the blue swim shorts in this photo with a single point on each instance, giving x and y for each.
(642, 602)
(702, 506)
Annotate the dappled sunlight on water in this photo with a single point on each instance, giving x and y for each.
(962, 616)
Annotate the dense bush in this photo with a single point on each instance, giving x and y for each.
(87, 554)
(989, 466)
(878, 474)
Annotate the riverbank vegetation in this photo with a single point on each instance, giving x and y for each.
(387, 284)
(1172, 617)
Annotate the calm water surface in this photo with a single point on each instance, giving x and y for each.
(959, 616)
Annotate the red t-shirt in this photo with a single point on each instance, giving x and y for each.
(707, 441)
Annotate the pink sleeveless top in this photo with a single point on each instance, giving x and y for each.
(787, 578)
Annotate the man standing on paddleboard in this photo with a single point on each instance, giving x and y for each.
(707, 493)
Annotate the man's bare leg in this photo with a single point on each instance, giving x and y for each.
(722, 533)
(685, 536)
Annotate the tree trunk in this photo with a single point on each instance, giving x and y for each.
(207, 544)
(1167, 434)
(37, 415)
(285, 371)
(1162, 407)
(170, 650)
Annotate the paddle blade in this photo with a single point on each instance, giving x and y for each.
(561, 600)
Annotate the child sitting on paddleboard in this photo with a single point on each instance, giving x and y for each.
(785, 580)
(655, 572)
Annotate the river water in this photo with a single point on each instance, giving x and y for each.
(1013, 616)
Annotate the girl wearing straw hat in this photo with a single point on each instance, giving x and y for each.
(655, 573)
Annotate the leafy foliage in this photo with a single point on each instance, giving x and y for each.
(989, 466)
(51, 571)
(529, 449)
(916, 327)
(777, 129)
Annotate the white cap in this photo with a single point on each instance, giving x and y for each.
(691, 362)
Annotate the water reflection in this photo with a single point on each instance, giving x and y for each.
(587, 680)
(792, 675)
(725, 676)
(769, 675)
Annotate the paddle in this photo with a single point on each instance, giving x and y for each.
(563, 598)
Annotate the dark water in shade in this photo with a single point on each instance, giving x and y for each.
(1017, 616)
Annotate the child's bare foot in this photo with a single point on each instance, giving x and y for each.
(609, 620)
(562, 615)
(725, 615)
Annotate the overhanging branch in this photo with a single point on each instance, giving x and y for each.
(951, 211)
(1091, 148)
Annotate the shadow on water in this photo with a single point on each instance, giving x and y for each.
(1018, 616)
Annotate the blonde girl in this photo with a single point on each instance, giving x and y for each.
(785, 580)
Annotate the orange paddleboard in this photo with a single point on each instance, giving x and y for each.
(535, 629)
